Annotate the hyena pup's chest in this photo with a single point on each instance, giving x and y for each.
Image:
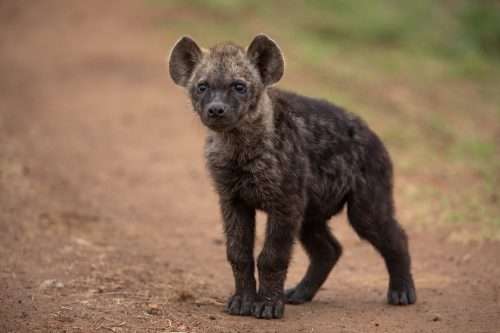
(256, 181)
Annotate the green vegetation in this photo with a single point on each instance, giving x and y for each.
(424, 74)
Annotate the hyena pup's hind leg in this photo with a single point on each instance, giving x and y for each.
(373, 220)
(323, 251)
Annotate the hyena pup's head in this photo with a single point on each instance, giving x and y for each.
(226, 82)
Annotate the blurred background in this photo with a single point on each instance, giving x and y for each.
(109, 222)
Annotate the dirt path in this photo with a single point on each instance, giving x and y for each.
(107, 218)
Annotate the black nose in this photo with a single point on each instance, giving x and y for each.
(216, 109)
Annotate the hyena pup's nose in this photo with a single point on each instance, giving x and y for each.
(216, 109)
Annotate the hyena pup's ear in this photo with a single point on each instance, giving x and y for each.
(183, 58)
(267, 57)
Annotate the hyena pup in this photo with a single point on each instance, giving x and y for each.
(300, 160)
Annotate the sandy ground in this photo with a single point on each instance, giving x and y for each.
(108, 221)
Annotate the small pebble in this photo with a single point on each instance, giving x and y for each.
(153, 309)
(436, 317)
(211, 317)
(49, 284)
(218, 241)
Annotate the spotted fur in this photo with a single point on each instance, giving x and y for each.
(300, 160)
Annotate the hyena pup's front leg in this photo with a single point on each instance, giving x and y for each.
(273, 265)
(239, 226)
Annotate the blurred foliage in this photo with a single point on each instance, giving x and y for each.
(457, 31)
(424, 74)
(481, 22)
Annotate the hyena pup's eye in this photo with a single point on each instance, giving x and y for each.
(202, 87)
(239, 87)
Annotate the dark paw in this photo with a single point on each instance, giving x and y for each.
(268, 309)
(298, 295)
(402, 294)
(240, 306)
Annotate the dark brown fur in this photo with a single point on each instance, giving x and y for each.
(298, 159)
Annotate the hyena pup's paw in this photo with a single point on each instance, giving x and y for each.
(240, 305)
(268, 308)
(300, 294)
(402, 293)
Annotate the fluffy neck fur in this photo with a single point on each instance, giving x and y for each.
(249, 138)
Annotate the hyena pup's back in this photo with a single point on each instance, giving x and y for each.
(298, 159)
